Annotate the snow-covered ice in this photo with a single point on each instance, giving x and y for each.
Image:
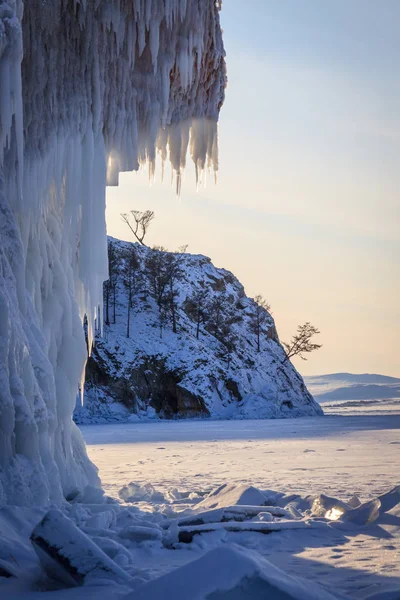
(299, 505)
(337, 455)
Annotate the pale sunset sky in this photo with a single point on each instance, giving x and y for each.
(306, 208)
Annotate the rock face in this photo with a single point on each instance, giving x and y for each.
(210, 366)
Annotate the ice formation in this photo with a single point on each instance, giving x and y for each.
(87, 89)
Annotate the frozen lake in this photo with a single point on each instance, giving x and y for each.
(352, 450)
(338, 454)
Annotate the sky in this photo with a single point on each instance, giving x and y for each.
(306, 208)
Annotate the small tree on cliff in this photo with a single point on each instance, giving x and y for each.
(228, 340)
(158, 283)
(259, 317)
(218, 313)
(199, 301)
(139, 223)
(164, 271)
(301, 343)
(173, 272)
(131, 281)
(110, 286)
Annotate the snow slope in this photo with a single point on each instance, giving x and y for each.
(87, 89)
(178, 375)
(351, 387)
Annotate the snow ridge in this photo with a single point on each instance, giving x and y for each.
(87, 89)
(201, 370)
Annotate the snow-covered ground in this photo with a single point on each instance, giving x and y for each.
(339, 455)
(171, 537)
(336, 454)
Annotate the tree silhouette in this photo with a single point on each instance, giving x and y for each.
(110, 286)
(131, 281)
(138, 222)
(258, 317)
(199, 302)
(300, 343)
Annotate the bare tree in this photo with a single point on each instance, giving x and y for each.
(110, 286)
(300, 343)
(138, 222)
(113, 273)
(159, 283)
(258, 317)
(198, 304)
(174, 273)
(164, 270)
(228, 340)
(131, 281)
(218, 310)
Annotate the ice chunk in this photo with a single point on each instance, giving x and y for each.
(231, 495)
(330, 508)
(187, 533)
(230, 513)
(390, 499)
(264, 516)
(334, 510)
(364, 514)
(89, 495)
(136, 533)
(71, 556)
(134, 492)
(354, 501)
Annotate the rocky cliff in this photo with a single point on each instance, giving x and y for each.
(192, 349)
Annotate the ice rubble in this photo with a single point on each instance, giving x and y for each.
(113, 544)
(87, 90)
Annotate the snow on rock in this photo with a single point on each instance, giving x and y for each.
(69, 555)
(87, 89)
(210, 365)
(229, 573)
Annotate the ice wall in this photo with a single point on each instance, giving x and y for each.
(88, 88)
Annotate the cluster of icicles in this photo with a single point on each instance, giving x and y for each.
(87, 89)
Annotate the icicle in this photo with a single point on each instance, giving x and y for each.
(102, 87)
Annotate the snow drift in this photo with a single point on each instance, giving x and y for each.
(203, 362)
(230, 573)
(86, 90)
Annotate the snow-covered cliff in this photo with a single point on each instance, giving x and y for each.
(210, 365)
(87, 89)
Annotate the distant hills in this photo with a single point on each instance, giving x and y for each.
(349, 386)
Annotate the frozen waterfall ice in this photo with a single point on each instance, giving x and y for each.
(87, 89)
